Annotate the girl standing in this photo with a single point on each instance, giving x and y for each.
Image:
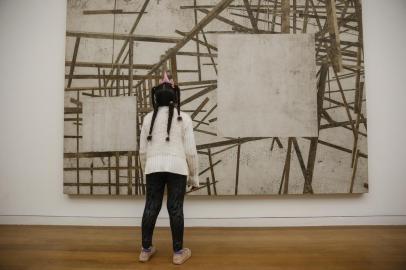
(168, 156)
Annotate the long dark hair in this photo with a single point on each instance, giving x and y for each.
(164, 95)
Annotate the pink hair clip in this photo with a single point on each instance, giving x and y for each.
(166, 79)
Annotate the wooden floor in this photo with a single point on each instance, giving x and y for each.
(87, 247)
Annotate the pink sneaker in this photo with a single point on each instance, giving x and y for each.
(181, 256)
(146, 254)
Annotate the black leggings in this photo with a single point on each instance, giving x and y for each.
(176, 185)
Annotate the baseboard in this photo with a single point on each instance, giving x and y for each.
(208, 222)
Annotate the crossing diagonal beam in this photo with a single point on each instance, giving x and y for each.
(196, 29)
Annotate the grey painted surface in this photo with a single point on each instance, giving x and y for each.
(267, 85)
(109, 124)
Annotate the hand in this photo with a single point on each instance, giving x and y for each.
(192, 183)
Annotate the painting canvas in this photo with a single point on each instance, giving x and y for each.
(275, 89)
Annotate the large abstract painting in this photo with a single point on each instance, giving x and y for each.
(275, 89)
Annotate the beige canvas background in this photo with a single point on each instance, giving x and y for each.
(228, 167)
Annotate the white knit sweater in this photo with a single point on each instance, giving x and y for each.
(178, 155)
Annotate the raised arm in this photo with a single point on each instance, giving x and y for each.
(191, 153)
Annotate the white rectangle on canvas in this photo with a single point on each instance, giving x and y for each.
(109, 124)
(267, 85)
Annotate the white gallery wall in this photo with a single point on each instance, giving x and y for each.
(32, 54)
